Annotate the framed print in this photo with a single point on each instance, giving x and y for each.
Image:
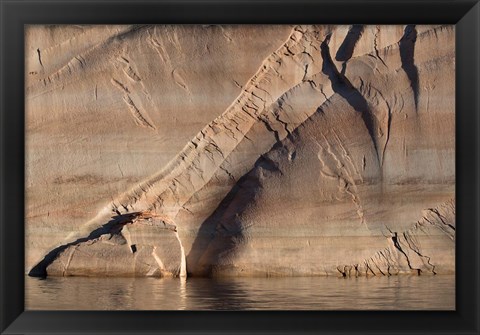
(239, 167)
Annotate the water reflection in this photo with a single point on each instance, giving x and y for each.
(311, 293)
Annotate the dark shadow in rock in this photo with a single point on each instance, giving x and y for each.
(221, 231)
(342, 86)
(407, 54)
(345, 51)
(113, 226)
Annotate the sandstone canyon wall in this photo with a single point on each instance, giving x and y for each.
(240, 150)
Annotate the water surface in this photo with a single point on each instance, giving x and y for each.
(309, 293)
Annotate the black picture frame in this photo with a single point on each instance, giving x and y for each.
(465, 14)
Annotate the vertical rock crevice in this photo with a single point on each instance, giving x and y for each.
(342, 86)
(345, 51)
(407, 56)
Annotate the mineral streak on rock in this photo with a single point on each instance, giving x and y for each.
(307, 150)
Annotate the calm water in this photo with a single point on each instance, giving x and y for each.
(317, 293)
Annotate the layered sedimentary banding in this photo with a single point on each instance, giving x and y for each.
(322, 165)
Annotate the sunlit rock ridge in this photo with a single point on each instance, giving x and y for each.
(240, 150)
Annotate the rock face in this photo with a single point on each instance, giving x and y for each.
(127, 246)
(310, 150)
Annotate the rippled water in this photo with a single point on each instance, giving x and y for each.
(312, 293)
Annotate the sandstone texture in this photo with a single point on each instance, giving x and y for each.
(240, 150)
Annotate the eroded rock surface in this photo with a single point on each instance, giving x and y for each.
(321, 150)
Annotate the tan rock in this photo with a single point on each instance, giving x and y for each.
(323, 163)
